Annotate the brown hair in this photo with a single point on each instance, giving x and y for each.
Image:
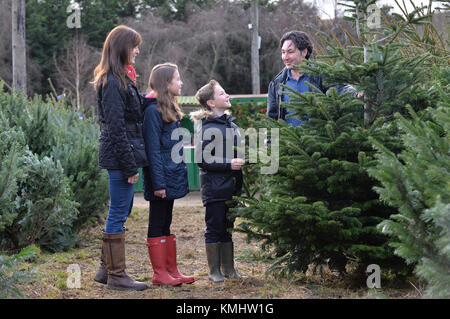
(158, 82)
(206, 93)
(116, 54)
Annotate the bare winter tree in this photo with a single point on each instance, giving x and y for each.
(216, 43)
(212, 36)
(74, 69)
(160, 44)
(211, 44)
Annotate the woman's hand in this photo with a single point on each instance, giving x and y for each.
(236, 164)
(160, 193)
(133, 179)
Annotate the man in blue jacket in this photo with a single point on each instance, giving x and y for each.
(296, 49)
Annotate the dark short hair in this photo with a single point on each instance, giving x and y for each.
(300, 40)
(206, 93)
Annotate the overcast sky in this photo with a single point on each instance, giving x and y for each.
(326, 7)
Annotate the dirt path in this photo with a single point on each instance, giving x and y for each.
(188, 225)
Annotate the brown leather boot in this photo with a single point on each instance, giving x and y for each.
(114, 248)
(102, 273)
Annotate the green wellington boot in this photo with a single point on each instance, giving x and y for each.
(213, 257)
(227, 261)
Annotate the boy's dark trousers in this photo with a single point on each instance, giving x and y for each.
(218, 242)
(217, 223)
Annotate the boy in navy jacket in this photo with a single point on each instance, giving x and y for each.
(220, 176)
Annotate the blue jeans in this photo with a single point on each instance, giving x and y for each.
(121, 195)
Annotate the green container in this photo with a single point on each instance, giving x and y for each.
(139, 187)
(192, 167)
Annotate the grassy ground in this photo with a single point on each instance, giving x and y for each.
(188, 225)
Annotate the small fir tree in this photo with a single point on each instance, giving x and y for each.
(50, 183)
(12, 143)
(11, 275)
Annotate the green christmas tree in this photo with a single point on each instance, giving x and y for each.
(321, 207)
(50, 183)
(416, 183)
(11, 145)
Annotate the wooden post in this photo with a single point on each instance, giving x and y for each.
(255, 48)
(19, 57)
(360, 32)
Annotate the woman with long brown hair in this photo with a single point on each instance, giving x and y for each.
(165, 179)
(121, 148)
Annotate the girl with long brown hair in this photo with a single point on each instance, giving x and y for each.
(121, 148)
(165, 179)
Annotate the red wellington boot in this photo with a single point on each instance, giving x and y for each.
(158, 256)
(172, 261)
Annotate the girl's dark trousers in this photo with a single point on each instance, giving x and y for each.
(160, 218)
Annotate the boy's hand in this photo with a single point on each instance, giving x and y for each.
(237, 163)
(160, 193)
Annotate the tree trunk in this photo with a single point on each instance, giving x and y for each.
(19, 57)
(77, 66)
(255, 49)
(215, 62)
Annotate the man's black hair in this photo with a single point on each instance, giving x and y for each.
(300, 40)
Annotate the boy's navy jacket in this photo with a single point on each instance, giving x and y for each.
(121, 144)
(218, 181)
(162, 172)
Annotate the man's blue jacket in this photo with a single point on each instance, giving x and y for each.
(275, 93)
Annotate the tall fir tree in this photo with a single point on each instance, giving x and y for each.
(321, 207)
